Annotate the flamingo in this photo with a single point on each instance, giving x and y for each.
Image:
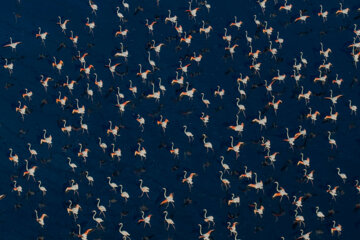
(280, 192)
(74, 187)
(331, 141)
(257, 185)
(42, 36)
(12, 44)
(235, 200)
(141, 152)
(72, 165)
(89, 178)
(119, 14)
(353, 108)
(188, 134)
(112, 185)
(124, 233)
(168, 221)
(13, 158)
(144, 189)
(224, 181)
(205, 236)
(124, 194)
(30, 171)
(171, 19)
(101, 208)
(319, 214)
(40, 220)
(259, 211)
(246, 174)
(144, 219)
(85, 234)
(42, 188)
(207, 145)
(62, 25)
(189, 179)
(97, 220)
(168, 199)
(341, 175)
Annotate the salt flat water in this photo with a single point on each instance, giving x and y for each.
(160, 169)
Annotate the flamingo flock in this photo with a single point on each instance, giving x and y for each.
(193, 124)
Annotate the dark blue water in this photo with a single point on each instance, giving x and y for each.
(31, 59)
